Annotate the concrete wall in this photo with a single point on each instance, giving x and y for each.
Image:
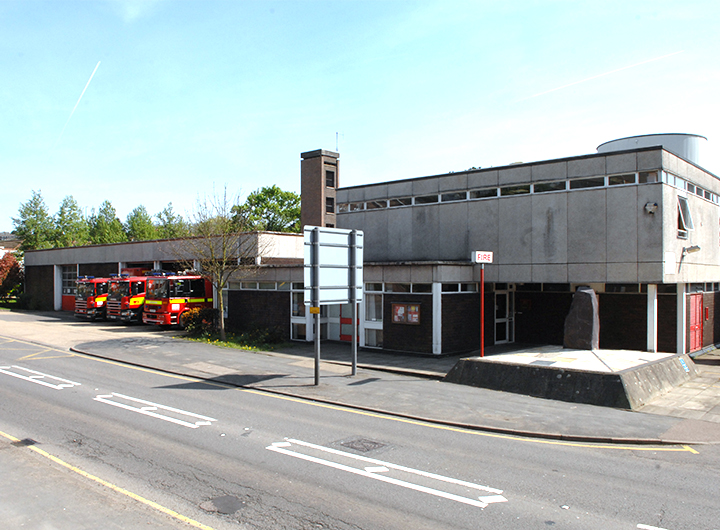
(599, 235)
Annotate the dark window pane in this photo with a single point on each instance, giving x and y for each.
(426, 199)
(454, 196)
(595, 182)
(616, 180)
(515, 190)
(481, 194)
(550, 186)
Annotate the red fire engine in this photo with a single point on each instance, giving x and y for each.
(170, 294)
(126, 296)
(90, 297)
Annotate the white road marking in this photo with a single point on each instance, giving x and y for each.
(371, 472)
(150, 407)
(648, 527)
(39, 377)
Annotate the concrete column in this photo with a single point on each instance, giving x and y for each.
(681, 318)
(361, 319)
(652, 313)
(57, 287)
(437, 318)
(157, 265)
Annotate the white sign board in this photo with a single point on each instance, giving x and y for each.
(482, 256)
(333, 264)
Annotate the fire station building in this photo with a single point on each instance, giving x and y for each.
(638, 221)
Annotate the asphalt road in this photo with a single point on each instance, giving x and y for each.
(229, 458)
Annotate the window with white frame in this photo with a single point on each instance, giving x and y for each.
(685, 222)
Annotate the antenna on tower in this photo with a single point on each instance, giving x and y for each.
(336, 143)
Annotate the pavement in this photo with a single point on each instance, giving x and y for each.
(409, 386)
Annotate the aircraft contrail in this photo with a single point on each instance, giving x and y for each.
(78, 102)
(600, 75)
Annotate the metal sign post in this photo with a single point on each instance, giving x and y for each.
(315, 304)
(482, 257)
(333, 275)
(353, 297)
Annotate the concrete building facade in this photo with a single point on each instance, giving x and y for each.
(637, 222)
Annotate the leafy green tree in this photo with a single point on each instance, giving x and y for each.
(170, 225)
(34, 225)
(272, 209)
(71, 227)
(139, 225)
(105, 227)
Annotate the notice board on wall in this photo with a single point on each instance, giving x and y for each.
(406, 313)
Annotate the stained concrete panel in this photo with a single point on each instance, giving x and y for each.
(457, 181)
(587, 230)
(376, 235)
(586, 167)
(425, 186)
(492, 273)
(514, 273)
(650, 226)
(421, 274)
(514, 175)
(453, 238)
(551, 171)
(352, 220)
(453, 273)
(650, 272)
(396, 274)
(483, 225)
(549, 224)
(400, 189)
(515, 230)
(426, 231)
(550, 273)
(623, 163)
(376, 192)
(355, 195)
(622, 224)
(649, 160)
(587, 272)
(400, 233)
(372, 273)
(622, 272)
(672, 163)
(483, 179)
(342, 196)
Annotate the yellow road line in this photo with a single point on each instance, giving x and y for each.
(118, 489)
(388, 416)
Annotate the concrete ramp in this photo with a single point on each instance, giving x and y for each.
(610, 378)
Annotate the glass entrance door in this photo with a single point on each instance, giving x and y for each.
(504, 316)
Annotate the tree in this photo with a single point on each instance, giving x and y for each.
(139, 225)
(34, 225)
(105, 227)
(218, 244)
(11, 275)
(169, 225)
(71, 227)
(273, 210)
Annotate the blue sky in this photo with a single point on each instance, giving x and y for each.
(191, 94)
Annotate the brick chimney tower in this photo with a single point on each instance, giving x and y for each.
(319, 173)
